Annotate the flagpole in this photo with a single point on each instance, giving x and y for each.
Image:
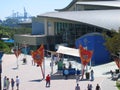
(17, 57)
(83, 67)
(44, 65)
(90, 64)
(42, 71)
(17, 63)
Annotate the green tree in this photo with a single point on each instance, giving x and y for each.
(113, 43)
(6, 31)
(4, 47)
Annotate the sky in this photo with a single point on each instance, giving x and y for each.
(33, 7)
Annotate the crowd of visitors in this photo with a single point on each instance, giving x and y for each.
(7, 82)
(89, 87)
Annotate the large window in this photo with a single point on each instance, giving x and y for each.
(69, 32)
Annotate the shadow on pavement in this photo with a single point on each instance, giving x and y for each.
(38, 80)
(59, 75)
(15, 68)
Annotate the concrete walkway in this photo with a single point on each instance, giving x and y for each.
(31, 76)
(108, 84)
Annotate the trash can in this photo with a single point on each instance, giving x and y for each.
(87, 75)
(24, 61)
(117, 71)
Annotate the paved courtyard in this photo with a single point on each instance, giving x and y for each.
(31, 76)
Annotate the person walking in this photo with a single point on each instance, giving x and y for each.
(97, 87)
(89, 86)
(17, 82)
(70, 65)
(12, 83)
(4, 83)
(48, 80)
(77, 87)
(7, 84)
(92, 75)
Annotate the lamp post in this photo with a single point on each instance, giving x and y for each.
(1, 54)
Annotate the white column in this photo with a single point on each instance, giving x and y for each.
(46, 27)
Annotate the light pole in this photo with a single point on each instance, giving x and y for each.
(1, 54)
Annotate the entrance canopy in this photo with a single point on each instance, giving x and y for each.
(68, 51)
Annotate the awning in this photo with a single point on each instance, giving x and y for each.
(68, 51)
(9, 41)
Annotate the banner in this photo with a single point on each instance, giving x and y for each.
(85, 55)
(38, 55)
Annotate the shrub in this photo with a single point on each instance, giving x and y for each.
(118, 84)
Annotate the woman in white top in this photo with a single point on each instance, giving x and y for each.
(17, 82)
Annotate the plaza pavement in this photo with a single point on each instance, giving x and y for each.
(31, 77)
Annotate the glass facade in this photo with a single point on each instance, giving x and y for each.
(69, 32)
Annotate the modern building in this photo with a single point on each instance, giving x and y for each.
(65, 25)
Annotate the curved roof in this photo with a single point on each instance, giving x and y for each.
(109, 19)
(101, 3)
(90, 2)
(72, 2)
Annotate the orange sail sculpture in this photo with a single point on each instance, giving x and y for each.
(85, 56)
(38, 57)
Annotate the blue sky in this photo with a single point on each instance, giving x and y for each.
(33, 7)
